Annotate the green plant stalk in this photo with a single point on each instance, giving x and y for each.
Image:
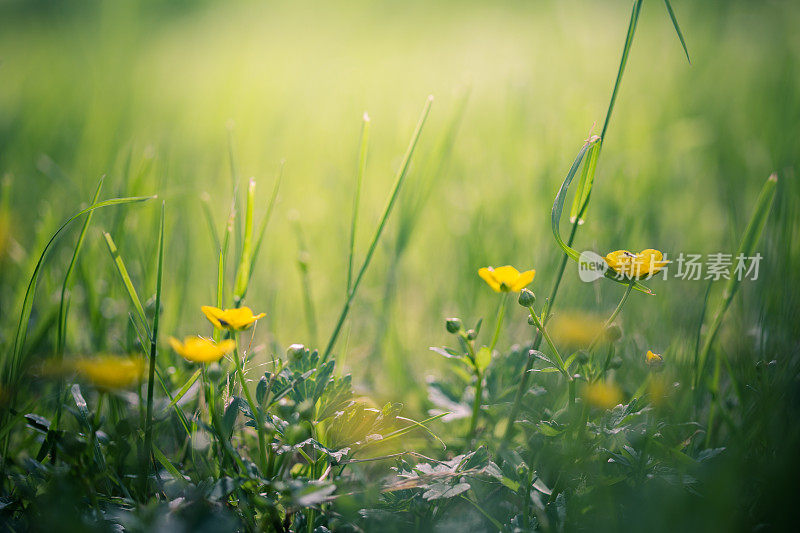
(587, 194)
(613, 316)
(262, 447)
(362, 165)
(501, 313)
(400, 178)
(476, 404)
(148, 432)
(262, 229)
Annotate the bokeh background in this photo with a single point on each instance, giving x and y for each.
(158, 95)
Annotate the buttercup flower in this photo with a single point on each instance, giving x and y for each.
(653, 359)
(200, 349)
(233, 319)
(506, 278)
(109, 371)
(639, 265)
(602, 394)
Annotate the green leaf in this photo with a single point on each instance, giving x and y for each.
(483, 358)
(677, 29)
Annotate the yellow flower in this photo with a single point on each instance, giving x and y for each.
(506, 278)
(110, 372)
(200, 349)
(574, 328)
(653, 359)
(603, 395)
(639, 265)
(234, 319)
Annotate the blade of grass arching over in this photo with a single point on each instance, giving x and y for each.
(400, 178)
(677, 29)
(262, 229)
(747, 246)
(148, 431)
(139, 315)
(243, 271)
(61, 329)
(637, 8)
(558, 207)
(581, 199)
(11, 367)
(185, 388)
(362, 165)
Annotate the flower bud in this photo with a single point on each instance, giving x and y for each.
(472, 334)
(295, 352)
(613, 333)
(531, 321)
(453, 325)
(526, 298)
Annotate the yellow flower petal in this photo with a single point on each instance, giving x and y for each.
(488, 276)
(653, 359)
(232, 319)
(506, 276)
(110, 372)
(630, 265)
(523, 279)
(201, 350)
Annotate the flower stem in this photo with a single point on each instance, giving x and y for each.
(613, 315)
(501, 313)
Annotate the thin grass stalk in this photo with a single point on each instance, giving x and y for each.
(148, 432)
(362, 165)
(401, 175)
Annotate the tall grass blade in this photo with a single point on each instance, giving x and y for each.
(677, 29)
(148, 431)
(243, 271)
(400, 178)
(262, 230)
(362, 165)
(747, 246)
(637, 8)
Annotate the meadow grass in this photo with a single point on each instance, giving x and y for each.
(522, 425)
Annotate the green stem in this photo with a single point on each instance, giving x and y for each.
(613, 315)
(476, 404)
(501, 313)
(559, 361)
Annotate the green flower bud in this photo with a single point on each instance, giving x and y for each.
(295, 352)
(472, 334)
(453, 325)
(526, 298)
(613, 333)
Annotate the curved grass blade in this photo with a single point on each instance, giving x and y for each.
(10, 368)
(362, 165)
(637, 8)
(558, 207)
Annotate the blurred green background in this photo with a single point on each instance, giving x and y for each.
(153, 93)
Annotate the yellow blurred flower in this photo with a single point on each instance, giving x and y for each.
(575, 328)
(233, 319)
(200, 349)
(602, 394)
(639, 265)
(653, 359)
(110, 371)
(506, 278)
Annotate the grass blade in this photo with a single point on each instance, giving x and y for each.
(362, 165)
(148, 431)
(267, 216)
(637, 8)
(747, 247)
(677, 29)
(243, 271)
(401, 175)
(11, 367)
